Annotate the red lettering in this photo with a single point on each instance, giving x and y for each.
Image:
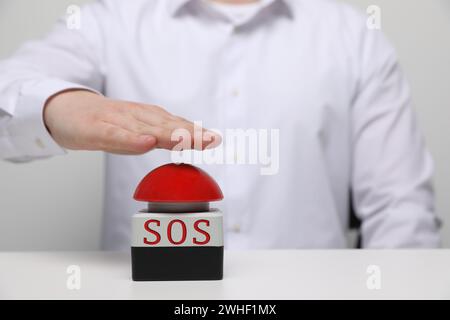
(183, 232)
(155, 233)
(205, 233)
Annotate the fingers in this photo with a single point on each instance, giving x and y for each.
(214, 138)
(129, 128)
(189, 136)
(115, 139)
(169, 130)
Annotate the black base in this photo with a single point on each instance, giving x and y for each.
(176, 263)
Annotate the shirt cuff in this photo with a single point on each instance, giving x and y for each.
(26, 133)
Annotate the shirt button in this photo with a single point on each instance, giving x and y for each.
(236, 228)
(39, 143)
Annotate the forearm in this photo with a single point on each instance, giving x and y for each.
(23, 134)
(64, 59)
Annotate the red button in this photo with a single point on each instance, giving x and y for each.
(178, 183)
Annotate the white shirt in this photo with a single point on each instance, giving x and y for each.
(308, 68)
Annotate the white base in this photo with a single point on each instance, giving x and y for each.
(177, 229)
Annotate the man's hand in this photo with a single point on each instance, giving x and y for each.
(83, 120)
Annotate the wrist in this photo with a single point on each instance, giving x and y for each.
(60, 99)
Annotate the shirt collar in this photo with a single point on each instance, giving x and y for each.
(175, 6)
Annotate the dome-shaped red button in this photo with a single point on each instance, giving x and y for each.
(178, 183)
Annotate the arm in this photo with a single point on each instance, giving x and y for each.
(63, 60)
(392, 170)
(50, 99)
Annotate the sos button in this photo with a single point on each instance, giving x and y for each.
(178, 236)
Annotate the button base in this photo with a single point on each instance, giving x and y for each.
(177, 263)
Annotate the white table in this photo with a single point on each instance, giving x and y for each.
(284, 274)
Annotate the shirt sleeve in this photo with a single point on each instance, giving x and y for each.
(392, 169)
(67, 58)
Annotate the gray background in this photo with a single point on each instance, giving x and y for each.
(56, 204)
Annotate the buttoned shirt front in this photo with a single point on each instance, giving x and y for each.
(308, 79)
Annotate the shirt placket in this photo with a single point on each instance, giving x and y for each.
(232, 116)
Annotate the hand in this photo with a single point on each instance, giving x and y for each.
(83, 120)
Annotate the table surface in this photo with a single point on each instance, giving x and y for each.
(276, 274)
